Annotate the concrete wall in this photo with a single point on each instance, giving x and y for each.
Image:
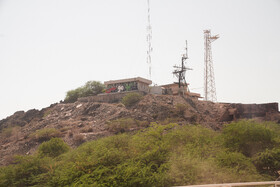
(143, 87)
(156, 90)
(255, 110)
(127, 86)
(108, 98)
(175, 88)
(248, 111)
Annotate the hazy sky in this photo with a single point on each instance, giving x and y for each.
(48, 47)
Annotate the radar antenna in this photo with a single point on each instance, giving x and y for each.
(149, 42)
(180, 71)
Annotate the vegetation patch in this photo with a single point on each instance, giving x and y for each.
(47, 112)
(268, 162)
(45, 134)
(9, 131)
(79, 139)
(249, 137)
(91, 88)
(125, 125)
(131, 99)
(160, 155)
(26, 171)
(180, 109)
(236, 161)
(53, 148)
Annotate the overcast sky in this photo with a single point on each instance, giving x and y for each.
(48, 47)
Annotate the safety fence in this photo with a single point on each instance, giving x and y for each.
(274, 183)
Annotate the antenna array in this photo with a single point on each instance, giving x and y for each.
(149, 42)
(180, 71)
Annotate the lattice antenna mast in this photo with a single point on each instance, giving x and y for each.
(209, 79)
(180, 71)
(149, 42)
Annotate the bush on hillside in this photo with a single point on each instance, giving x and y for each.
(236, 161)
(91, 88)
(131, 99)
(73, 95)
(248, 137)
(53, 148)
(268, 162)
(26, 171)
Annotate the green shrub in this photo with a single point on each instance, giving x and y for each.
(73, 95)
(235, 160)
(183, 170)
(268, 162)
(189, 170)
(248, 137)
(45, 134)
(199, 142)
(89, 89)
(92, 88)
(53, 148)
(27, 171)
(131, 99)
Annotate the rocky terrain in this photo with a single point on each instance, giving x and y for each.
(81, 121)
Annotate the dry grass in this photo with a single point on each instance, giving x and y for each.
(125, 125)
(45, 134)
(78, 139)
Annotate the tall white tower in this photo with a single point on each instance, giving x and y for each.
(209, 78)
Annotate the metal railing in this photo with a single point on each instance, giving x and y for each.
(275, 183)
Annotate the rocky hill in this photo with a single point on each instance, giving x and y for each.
(85, 120)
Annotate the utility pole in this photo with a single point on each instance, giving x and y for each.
(149, 42)
(180, 71)
(209, 79)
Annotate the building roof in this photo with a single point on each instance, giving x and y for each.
(173, 84)
(136, 79)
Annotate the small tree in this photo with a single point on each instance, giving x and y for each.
(248, 137)
(53, 148)
(92, 88)
(89, 89)
(73, 95)
(268, 162)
